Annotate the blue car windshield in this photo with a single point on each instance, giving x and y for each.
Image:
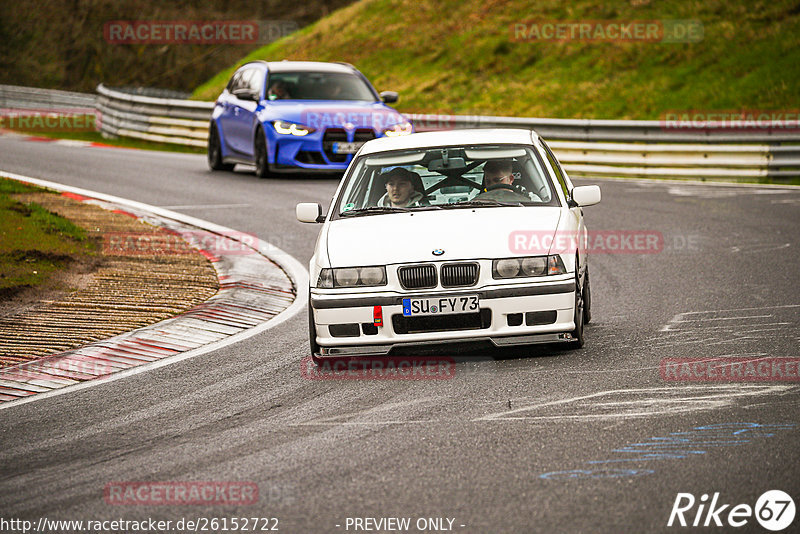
(318, 86)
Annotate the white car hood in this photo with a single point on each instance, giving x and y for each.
(411, 237)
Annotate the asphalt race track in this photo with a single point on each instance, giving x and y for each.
(535, 440)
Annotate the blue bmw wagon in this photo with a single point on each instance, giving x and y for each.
(298, 116)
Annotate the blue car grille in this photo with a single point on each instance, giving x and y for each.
(339, 135)
(363, 135)
(334, 135)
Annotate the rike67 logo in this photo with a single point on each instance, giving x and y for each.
(774, 510)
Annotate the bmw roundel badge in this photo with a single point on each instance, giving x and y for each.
(438, 251)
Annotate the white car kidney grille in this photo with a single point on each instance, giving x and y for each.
(459, 274)
(417, 276)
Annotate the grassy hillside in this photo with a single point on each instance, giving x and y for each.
(458, 56)
(60, 44)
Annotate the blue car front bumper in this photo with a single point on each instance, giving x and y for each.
(315, 151)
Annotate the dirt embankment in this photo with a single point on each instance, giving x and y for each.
(119, 289)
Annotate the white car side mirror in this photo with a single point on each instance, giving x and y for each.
(586, 195)
(309, 212)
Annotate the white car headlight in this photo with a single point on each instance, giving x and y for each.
(352, 277)
(345, 277)
(534, 266)
(528, 266)
(505, 268)
(373, 276)
(291, 128)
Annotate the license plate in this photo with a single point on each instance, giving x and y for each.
(346, 148)
(441, 305)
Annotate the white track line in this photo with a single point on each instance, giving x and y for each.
(205, 206)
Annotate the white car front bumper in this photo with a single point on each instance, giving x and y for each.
(510, 315)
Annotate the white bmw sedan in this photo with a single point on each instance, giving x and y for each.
(449, 237)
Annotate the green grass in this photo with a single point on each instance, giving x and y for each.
(34, 243)
(459, 57)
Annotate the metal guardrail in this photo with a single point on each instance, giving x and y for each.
(712, 161)
(15, 97)
(163, 120)
(640, 131)
(585, 147)
(651, 148)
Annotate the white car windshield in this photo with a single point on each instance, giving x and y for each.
(446, 177)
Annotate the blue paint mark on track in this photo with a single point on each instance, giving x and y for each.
(675, 446)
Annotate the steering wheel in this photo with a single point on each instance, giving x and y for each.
(452, 180)
(494, 187)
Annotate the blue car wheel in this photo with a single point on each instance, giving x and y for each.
(215, 151)
(260, 152)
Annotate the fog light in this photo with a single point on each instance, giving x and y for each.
(344, 330)
(369, 329)
(514, 319)
(540, 317)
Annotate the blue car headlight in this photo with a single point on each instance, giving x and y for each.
(401, 128)
(291, 128)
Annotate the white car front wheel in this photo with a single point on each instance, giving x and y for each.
(312, 335)
(580, 315)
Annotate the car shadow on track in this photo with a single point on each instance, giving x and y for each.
(249, 172)
(477, 351)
